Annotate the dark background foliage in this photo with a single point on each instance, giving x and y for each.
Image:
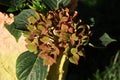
(106, 15)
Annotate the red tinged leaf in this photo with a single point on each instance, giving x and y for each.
(44, 47)
(48, 23)
(55, 51)
(74, 59)
(32, 20)
(64, 28)
(47, 60)
(60, 15)
(64, 19)
(50, 15)
(71, 30)
(72, 42)
(46, 40)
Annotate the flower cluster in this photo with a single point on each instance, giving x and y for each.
(56, 33)
(6, 19)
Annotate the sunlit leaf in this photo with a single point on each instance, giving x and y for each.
(74, 50)
(11, 9)
(32, 19)
(74, 37)
(46, 39)
(67, 50)
(64, 28)
(64, 19)
(30, 27)
(32, 47)
(26, 34)
(74, 59)
(64, 36)
(37, 15)
(41, 28)
(80, 53)
(48, 23)
(50, 16)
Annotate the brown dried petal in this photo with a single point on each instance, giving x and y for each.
(50, 16)
(64, 19)
(32, 20)
(48, 23)
(60, 14)
(64, 28)
(47, 60)
(44, 47)
(71, 30)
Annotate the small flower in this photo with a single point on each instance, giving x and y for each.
(6, 19)
(9, 19)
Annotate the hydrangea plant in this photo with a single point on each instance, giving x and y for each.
(54, 37)
(56, 34)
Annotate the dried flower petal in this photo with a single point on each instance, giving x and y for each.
(47, 60)
(57, 33)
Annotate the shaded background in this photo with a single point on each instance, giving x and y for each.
(107, 20)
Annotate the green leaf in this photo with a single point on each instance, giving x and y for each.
(30, 67)
(32, 19)
(15, 32)
(39, 6)
(67, 50)
(80, 53)
(19, 23)
(32, 47)
(21, 19)
(53, 4)
(16, 5)
(74, 37)
(46, 39)
(74, 50)
(74, 59)
(106, 39)
(90, 3)
(11, 9)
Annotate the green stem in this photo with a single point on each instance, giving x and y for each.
(58, 71)
(116, 58)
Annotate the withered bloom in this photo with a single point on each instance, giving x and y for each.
(57, 33)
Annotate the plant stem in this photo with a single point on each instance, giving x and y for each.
(58, 71)
(116, 57)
